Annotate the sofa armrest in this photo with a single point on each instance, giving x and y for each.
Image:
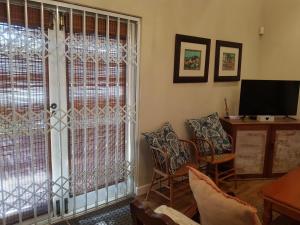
(143, 215)
(175, 215)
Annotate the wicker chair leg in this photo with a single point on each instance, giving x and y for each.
(216, 172)
(208, 170)
(171, 192)
(151, 185)
(235, 180)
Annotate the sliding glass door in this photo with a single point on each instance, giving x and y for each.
(68, 84)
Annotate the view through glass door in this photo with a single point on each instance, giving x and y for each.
(68, 80)
(24, 137)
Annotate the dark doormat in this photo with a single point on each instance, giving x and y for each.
(115, 214)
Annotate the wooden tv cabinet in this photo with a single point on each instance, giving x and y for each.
(264, 149)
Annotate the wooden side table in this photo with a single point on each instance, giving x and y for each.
(282, 196)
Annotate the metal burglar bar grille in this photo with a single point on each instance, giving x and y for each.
(99, 95)
(77, 154)
(22, 135)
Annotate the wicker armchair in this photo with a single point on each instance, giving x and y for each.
(215, 147)
(171, 183)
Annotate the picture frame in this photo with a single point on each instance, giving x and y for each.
(228, 60)
(191, 59)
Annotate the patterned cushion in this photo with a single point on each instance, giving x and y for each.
(211, 129)
(166, 138)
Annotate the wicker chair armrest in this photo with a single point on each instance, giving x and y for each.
(165, 154)
(211, 146)
(231, 142)
(230, 138)
(192, 147)
(166, 157)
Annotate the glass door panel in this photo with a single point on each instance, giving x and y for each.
(24, 139)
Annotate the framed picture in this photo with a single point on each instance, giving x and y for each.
(228, 61)
(191, 59)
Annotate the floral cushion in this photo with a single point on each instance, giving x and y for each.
(210, 128)
(166, 138)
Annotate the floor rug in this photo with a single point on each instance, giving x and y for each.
(115, 214)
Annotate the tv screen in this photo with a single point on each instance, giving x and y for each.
(269, 97)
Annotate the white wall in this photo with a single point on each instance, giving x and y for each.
(280, 45)
(160, 99)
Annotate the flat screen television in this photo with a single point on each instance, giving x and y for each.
(268, 97)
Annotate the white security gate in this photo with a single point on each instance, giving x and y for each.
(68, 93)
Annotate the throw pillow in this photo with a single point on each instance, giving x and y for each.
(166, 138)
(156, 142)
(211, 129)
(216, 207)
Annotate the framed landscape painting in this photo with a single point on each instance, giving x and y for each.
(228, 61)
(191, 59)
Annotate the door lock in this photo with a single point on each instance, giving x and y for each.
(53, 106)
